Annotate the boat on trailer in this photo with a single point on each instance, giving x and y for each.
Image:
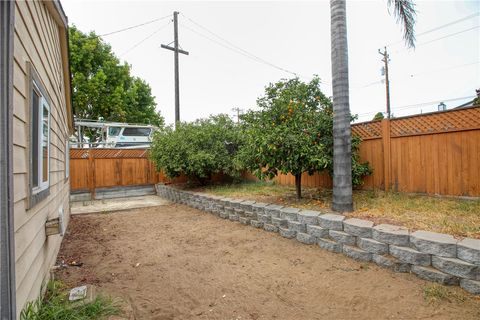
(113, 134)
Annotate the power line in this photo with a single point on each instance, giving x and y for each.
(410, 106)
(446, 36)
(145, 39)
(439, 27)
(135, 26)
(229, 45)
(449, 24)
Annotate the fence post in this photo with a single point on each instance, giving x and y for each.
(91, 165)
(387, 161)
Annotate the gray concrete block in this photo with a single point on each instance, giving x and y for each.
(244, 220)
(270, 227)
(342, 237)
(287, 233)
(331, 221)
(239, 212)
(390, 263)
(431, 274)
(289, 213)
(279, 222)
(356, 253)
(306, 238)
(409, 255)
(223, 215)
(233, 217)
(438, 244)
(329, 245)
(258, 207)
(256, 223)
(468, 249)
(391, 234)
(250, 214)
(372, 246)
(471, 286)
(308, 217)
(226, 202)
(247, 205)
(317, 231)
(296, 226)
(264, 218)
(273, 210)
(236, 203)
(358, 227)
(456, 267)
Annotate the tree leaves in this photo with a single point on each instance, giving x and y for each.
(103, 88)
(198, 149)
(293, 132)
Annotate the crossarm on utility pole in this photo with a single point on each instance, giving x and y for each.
(173, 49)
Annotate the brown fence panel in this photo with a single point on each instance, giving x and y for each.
(436, 153)
(99, 168)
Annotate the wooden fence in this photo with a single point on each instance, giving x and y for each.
(435, 153)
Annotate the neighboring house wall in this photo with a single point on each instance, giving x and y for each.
(39, 51)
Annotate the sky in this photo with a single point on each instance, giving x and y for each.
(238, 48)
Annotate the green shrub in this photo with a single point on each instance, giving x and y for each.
(198, 149)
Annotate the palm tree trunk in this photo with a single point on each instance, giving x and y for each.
(298, 185)
(342, 160)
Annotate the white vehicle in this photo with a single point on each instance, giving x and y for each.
(127, 135)
(116, 134)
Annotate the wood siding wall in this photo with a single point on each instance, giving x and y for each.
(436, 153)
(37, 42)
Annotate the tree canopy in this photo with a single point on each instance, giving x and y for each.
(292, 133)
(198, 149)
(103, 88)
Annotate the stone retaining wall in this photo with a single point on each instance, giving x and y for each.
(431, 256)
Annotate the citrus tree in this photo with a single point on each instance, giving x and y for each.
(292, 133)
(198, 149)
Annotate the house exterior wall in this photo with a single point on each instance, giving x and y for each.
(37, 46)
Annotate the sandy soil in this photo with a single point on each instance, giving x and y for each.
(173, 262)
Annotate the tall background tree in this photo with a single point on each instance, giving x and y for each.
(404, 11)
(103, 88)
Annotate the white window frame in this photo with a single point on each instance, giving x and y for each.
(42, 185)
(67, 159)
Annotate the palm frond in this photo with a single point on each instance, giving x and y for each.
(405, 14)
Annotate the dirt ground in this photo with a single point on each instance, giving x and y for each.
(174, 262)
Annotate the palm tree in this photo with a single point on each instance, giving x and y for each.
(404, 11)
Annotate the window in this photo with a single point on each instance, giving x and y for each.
(40, 140)
(114, 131)
(143, 132)
(67, 159)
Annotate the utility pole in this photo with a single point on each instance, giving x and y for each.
(176, 50)
(238, 110)
(387, 83)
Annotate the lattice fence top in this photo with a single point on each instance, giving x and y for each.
(437, 122)
(108, 153)
(368, 130)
